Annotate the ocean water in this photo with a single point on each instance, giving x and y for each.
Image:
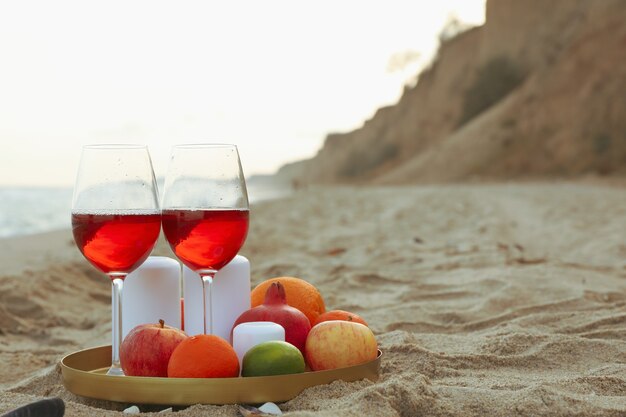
(30, 210)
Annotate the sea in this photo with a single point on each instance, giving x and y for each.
(31, 210)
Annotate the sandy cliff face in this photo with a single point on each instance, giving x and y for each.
(538, 91)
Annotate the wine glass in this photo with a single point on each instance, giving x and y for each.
(205, 210)
(115, 218)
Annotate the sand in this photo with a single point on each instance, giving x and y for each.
(491, 300)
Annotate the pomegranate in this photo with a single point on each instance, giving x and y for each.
(276, 309)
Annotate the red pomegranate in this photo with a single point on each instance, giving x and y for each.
(276, 309)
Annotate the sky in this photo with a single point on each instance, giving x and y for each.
(273, 77)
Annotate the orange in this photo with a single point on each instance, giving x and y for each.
(339, 315)
(300, 294)
(203, 356)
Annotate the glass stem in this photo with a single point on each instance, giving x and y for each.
(117, 284)
(207, 293)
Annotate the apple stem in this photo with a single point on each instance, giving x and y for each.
(162, 323)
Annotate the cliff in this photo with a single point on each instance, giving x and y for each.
(538, 91)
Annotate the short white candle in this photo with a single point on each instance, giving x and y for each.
(248, 335)
(230, 296)
(152, 292)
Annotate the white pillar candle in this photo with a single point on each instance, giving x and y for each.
(230, 296)
(152, 292)
(248, 335)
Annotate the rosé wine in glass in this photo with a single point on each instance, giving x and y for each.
(205, 239)
(115, 242)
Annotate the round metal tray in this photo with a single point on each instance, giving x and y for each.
(84, 373)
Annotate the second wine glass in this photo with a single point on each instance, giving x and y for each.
(205, 210)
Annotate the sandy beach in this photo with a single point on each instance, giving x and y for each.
(491, 300)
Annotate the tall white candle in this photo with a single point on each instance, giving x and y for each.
(152, 292)
(248, 335)
(230, 296)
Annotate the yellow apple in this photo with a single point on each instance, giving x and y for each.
(337, 344)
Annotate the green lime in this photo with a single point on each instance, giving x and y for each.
(272, 358)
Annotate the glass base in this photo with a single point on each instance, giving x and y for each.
(115, 371)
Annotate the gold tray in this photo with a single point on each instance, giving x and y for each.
(84, 373)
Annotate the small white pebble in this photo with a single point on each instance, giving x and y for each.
(270, 408)
(132, 410)
(167, 410)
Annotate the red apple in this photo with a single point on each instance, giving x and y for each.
(337, 344)
(147, 348)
